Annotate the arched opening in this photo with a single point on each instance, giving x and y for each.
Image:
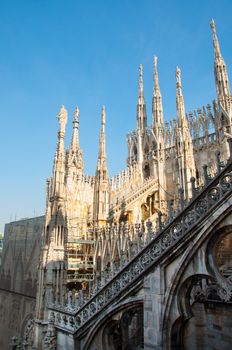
(145, 211)
(222, 253)
(112, 336)
(146, 149)
(177, 335)
(148, 208)
(124, 331)
(208, 329)
(146, 171)
(224, 120)
(47, 235)
(204, 316)
(134, 153)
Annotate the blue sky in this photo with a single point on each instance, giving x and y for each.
(87, 53)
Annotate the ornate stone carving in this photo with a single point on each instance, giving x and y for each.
(50, 338)
(29, 335)
(169, 235)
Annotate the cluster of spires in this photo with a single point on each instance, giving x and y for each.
(74, 152)
(157, 107)
(222, 89)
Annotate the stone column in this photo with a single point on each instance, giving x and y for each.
(153, 300)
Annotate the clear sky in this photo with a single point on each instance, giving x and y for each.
(87, 53)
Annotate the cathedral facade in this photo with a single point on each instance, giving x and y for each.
(106, 279)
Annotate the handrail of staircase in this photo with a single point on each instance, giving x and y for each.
(135, 193)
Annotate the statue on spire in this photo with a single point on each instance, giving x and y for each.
(178, 81)
(103, 114)
(76, 114)
(75, 136)
(156, 82)
(62, 117)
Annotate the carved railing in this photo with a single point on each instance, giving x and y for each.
(74, 316)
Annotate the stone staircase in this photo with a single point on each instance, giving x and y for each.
(135, 194)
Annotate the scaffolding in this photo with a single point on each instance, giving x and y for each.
(80, 252)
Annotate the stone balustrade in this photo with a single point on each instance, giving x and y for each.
(135, 193)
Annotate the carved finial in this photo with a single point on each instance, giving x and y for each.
(212, 24)
(103, 115)
(62, 117)
(75, 137)
(155, 61)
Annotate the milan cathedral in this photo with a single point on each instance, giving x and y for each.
(140, 260)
